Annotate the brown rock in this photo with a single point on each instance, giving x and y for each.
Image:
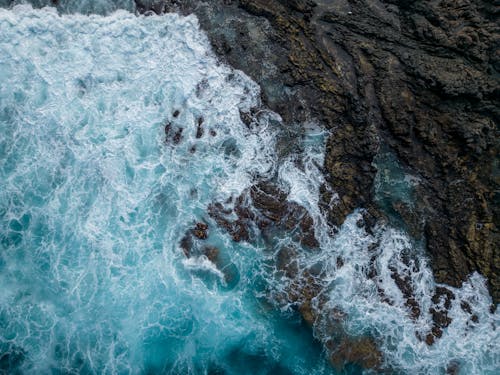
(201, 231)
(442, 303)
(362, 351)
(212, 253)
(418, 77)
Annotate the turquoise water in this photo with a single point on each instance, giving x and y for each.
(94, 202)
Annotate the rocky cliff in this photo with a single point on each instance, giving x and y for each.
(416, 80)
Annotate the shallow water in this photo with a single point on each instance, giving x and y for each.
(94, 202)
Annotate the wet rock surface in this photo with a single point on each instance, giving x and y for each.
(419, 78)
(264, 209)
(201, 231)
(194, 244)
(442, 300)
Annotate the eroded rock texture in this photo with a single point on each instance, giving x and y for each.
(418, 79)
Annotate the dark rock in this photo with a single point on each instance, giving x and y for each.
(405, 285)
(453, 368)
(154, 6)
(236, 228)
(201, 231)
(429, 339)
(419, 77)
(468, 309)
(12, 358)
(362, 351)
(168, 128)
(442, 300)
(246, 118)
(212, 254)
(177, 136)
(212, 132)
(265, 206)
(199, 128)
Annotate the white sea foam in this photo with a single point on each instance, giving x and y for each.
(376, 306)
(93, 203)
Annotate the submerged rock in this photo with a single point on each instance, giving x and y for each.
(199, 128)
(11, 358)
(361, 351)
(177, 136)
(286, 260)
(212, 253)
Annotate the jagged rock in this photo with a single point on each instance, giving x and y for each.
(419, 77)
(266, 206)
(177, 136)
(168, 128)
(404, 284)
(465, 306)
(187, 243)
(212, 254)
(201, 231)
(441, 299)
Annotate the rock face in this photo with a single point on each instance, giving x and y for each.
(417, 79)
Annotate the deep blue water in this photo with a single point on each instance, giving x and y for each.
(94, 203)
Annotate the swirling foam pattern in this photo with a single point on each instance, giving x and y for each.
(94, 202)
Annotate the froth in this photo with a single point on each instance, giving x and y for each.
(97, 195)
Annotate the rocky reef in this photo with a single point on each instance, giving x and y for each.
(417, 80)
(409, 92)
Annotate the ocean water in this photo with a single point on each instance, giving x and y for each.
(95, 198)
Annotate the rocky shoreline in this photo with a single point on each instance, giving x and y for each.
(416, 80)
(415, 83)
(408, 92)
